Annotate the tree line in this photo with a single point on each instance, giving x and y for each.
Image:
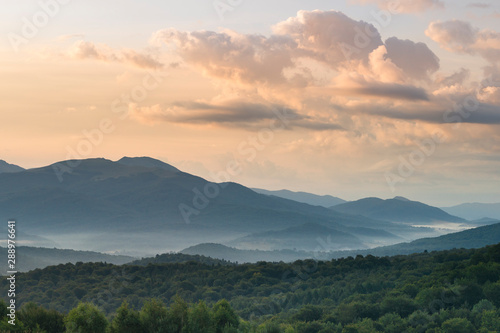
(446, 291)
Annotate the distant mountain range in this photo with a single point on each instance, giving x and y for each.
(140, 206)
(29, 258)
(398, 209)
(474, 211)
(468, 239)
(303, 237)
(308, 198)
(145, 206)
(236, 255)
(8, 168)
(472, 238)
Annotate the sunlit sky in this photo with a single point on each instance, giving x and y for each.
(348, 98)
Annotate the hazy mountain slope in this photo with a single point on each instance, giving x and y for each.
(117, 199)
(474, 211)
(147, 162)
(168, 258)
(7, 168)
(307, 237)
(397, 210)
(235, 255)
(472, 238)
(308, 198)
(29, 258)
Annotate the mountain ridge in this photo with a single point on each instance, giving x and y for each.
(305, 197)
(9, 168)
(397, 210)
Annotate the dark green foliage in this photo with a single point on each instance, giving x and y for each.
(154, 316)
(35, 317)
(224, 317)
(86, 318)
(433, 292)
(126, 321)
(169, 258)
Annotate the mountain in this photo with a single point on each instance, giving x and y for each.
(169, 258)
(308, 198)
(147, 162)
(219, 251)
(29, 258)
(474, 211)
(306, 237)
(483, 221)
(397, 209)
(7, 168)
(146, 206)
(468, 239)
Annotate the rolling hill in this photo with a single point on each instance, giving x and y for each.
(219, 251)
(397, 209)
(468, 239)
(306, 237)
(170, 258)
(308, 198)
(474, 211)
(29, 258)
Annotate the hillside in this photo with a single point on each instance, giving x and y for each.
(467, 239)
(475, 211)
(397, 210)
(308, 198)
(220, 251)
(8, 168)
(171, 258)
(146, 206)
(453, 291)
(306, 237)
(30, 258)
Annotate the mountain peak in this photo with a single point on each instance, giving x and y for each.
(400, 198)
(148, 162)
(6, 167)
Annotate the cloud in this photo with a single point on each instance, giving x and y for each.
(482, 113)
(330, 36)
(406, 6)
(390, 90)
(457, 78)
(243, 58)
(233, 113)
(88, 50)
(415, 59)
(462, 37)
(454, 35)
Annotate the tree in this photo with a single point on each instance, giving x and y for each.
(402, 305)
(126, 320)
(457, 325)
(178, 316)
(86, 318)
(35, 318)
(224, 316)
(308, 313)
(199, 319)
(154, 316)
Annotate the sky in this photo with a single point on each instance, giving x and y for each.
(352, 98)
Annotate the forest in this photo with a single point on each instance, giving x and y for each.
(447, 291)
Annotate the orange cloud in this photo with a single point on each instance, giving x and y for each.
(87, 50)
